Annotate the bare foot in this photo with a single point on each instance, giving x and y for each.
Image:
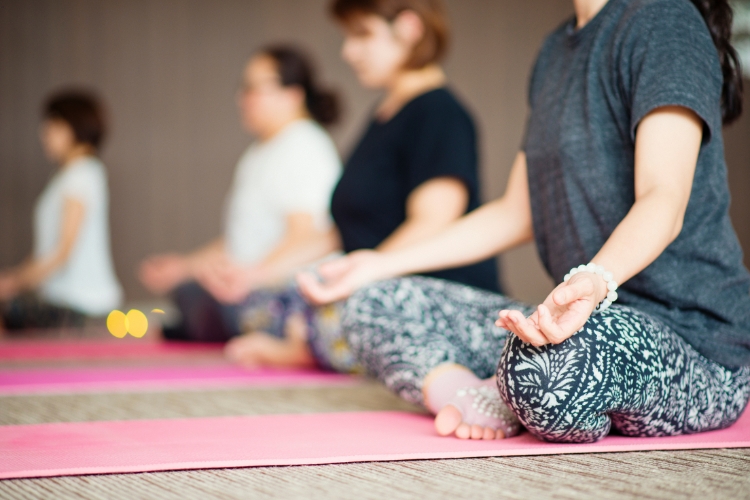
(259, 349)
(449, 420)
(466, 406)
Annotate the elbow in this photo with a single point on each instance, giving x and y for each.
(677, 228)
(59, 258)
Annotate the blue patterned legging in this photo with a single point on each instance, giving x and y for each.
(624, 370)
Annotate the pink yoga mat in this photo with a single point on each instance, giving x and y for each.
(116, 379)
(64, 449)
(100, 349)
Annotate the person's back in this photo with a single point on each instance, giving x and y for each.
(87, 281)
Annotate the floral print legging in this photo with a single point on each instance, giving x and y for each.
(624, 370)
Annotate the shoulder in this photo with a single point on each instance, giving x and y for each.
(303, 144)
(678, 18)
(654, 35)
(305, 133)
(88, 170)
(439, 108)
(84, 179)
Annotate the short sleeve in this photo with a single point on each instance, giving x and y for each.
(81, 183)
(444, 145)
(308, 171)
(672, 62)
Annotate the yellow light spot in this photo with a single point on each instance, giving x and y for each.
(137, 323)
(117, 324)
(158, 311)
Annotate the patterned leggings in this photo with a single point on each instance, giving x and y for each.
(623, 370)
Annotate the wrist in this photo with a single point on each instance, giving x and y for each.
(390, 265)
(606, 295)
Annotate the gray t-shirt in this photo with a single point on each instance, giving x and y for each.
(589, 90)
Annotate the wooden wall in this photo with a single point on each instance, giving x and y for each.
(169, 69)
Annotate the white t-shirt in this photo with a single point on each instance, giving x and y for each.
(295, 171)
(87, 281)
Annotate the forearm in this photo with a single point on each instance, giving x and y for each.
(293, 253)
(485, 232)
(35, 271)
(410, 232)
(205, 254)
(652, 223)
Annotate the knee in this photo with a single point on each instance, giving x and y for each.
(554, 389)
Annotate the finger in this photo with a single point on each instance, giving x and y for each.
(502, 320)
(551, 330)
(526, 330)
(334, 268)
(306, 280)
(319, 293)
(571, 292)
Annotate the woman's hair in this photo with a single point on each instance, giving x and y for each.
(294, 68)
(82, 111)
(433, 45)
(718, 17)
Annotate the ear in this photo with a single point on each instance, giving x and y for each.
(408, 27)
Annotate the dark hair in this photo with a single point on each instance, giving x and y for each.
(718, 17)
(433, 45)
(82, 111)
(294, 68)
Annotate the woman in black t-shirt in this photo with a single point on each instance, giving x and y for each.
(622, 185)
(413, 172)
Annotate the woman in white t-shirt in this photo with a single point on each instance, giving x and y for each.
(277, 210)
(70, 274)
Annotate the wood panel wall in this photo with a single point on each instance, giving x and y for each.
(169, 70)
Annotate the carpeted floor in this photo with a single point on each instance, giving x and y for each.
(655, 475)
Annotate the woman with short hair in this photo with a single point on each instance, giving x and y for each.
(70, 274)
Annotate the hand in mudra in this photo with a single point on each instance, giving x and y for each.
(562, 313)
(341, 277)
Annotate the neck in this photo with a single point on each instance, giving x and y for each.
(408, 85)
(586, 10)
(275, 128)
(77, 151)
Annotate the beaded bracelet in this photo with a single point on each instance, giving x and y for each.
(606, 276)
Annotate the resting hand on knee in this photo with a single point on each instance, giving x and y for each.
(341, 277)
(561, 315)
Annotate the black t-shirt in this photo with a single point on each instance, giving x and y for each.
(431, 136)
(589, 91)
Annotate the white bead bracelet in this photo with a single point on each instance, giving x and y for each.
(606, 276)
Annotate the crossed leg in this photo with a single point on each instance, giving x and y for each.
(434, 343)
(623, 370)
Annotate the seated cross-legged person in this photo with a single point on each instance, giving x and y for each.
(70, 275)
(412, 173)
(277, 217)
(622, 185)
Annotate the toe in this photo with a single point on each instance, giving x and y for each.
(499, 434)
(477, 432)
(488, 433)
(463, 431)
(447, 420)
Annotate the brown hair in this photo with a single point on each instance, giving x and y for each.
(433, 45)
(295, 68)
(82, 111)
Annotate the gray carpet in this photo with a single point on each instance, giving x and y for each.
(657, 475)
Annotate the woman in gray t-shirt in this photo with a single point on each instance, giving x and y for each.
(622, 185)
